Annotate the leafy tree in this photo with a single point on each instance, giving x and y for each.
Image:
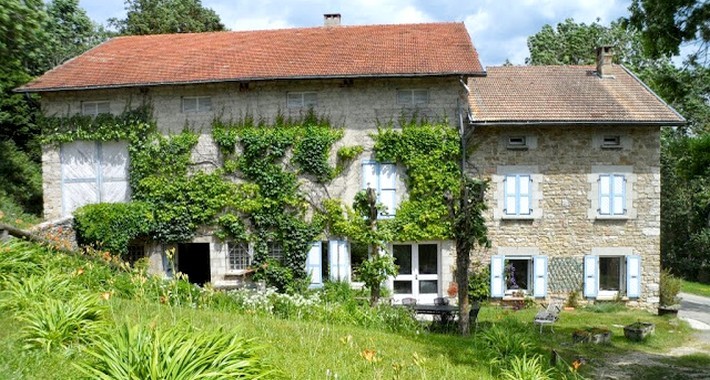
(69, 32)
(166, 16)
(666, 24)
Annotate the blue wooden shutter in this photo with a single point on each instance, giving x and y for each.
(510, 195)
(387, 190)
(497, 279)
(591, 269)
(339, 257)
(540, 276)
(605, 194)
(633, 276)
(524, 195)
(314, 265)
(369, 175)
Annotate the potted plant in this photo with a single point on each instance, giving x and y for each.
(572, 300)
(638, 331)
(479, 285)
(669, 300)
(595, 335)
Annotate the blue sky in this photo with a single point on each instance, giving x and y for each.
(498, 28)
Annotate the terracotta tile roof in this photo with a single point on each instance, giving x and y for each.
(550, 94)
(322, 52)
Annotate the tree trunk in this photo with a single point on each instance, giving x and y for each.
(463, 262)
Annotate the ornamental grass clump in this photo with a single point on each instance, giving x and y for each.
(175, 353)
(57, 323)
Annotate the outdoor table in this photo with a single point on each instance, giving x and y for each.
(444, 312)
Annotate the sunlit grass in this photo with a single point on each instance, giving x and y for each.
(695, 288)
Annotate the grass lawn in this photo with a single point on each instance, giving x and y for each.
(310, 350)
(695, 288)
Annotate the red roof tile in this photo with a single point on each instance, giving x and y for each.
(322, 52)
(550, 94)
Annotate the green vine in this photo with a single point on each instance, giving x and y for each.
(132, 125)
(345, 156)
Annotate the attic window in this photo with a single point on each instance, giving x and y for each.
(611, 142)
(195, 104)
(301, 99)
(517, 143)
(95, 108)
(412, 97)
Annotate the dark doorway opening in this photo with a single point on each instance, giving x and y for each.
(194, 261)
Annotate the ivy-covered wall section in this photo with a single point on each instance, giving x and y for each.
(256, 194)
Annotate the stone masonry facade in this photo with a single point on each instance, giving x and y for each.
(563, 158)
(357, 107)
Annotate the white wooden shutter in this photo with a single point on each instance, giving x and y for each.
(339, 257)
(497, 279)
(540, 273)
(619, 200)
(113, 181)
(524, 195)
(511, 206)
(388, 188)
(369, 175)
(591, 269)
(314, 265)
(633, 276)
(80, 171)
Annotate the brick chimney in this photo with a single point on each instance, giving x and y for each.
(331, 19)
(605, 55)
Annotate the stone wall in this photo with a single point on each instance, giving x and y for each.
(564, 157)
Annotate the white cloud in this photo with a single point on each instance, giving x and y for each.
(257, 23)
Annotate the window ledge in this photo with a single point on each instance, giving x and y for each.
(612, 217)
(238, 272)
(518, 217)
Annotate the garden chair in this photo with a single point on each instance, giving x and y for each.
(473, 315)
(548, 316)
(443, 318)
(409, 301)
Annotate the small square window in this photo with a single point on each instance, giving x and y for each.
(275, 251)
(301, 99)
(412, 97)
(95, 108)
(517, 143)
(238, 257)
(194, 104)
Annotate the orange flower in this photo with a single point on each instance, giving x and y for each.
(80, 271)
(106, 295)
(369, 355)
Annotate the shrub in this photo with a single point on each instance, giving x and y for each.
(479, 283)
(504, 341)
(670, 287)
(606, 307)
(526, 368)
(56, 323)
(20, 178)
(175, 353)
(376, 270)
(111, 226)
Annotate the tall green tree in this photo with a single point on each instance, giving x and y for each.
(166, 16)
(667, 24)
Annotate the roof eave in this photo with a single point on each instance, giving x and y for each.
(579, 123)
(249, 79)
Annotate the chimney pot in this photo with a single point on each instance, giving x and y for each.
(331, 19)
(605, 56)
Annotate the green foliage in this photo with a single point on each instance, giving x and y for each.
(666, 24)
(479, 284)
(112, 226)
(133, 125)
(504, 341)
(58, 323)
(25, 293)
(669, 289)
(345, 156)
(20, 179)
(526, 368)
(179, 352)
(166, 16)
(312, 150)
(430, 153)
(376, 269)
(606, 307)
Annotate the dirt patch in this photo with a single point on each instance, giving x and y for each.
(670, 365)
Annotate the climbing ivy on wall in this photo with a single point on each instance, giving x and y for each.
(132, 125)
(430, 154)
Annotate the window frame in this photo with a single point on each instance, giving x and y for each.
(411, 97)
(534, 196)
(518, 194)
(247, 250)
(275, 251)
(301, 102)
(95, 104)
(199, 107)
(597, 193)
(379, 188)
(630, 274)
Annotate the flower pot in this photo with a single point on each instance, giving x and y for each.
(639, 331)
(593, 335)
(668, 309)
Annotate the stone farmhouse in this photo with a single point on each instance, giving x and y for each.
(572, 153)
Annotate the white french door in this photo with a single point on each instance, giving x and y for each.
(418, 275)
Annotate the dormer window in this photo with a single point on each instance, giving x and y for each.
(195, 104)
(611, 142)
(301, 99)
(412, 97)
(95, 108)
(517, 143)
